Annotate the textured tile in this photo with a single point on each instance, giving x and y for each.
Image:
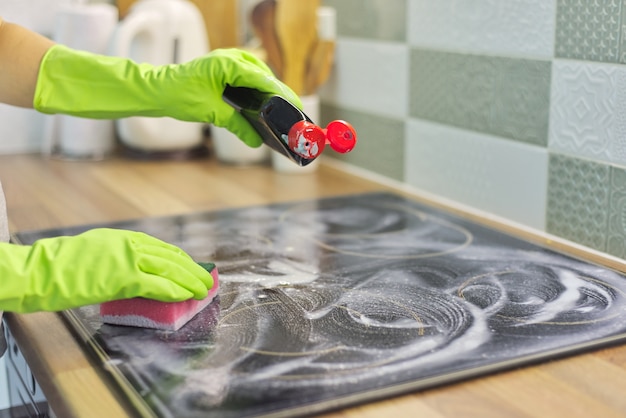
(380, 146)
(451, 88)
(504, 177)
(588, 30)
(512, 27)
(616, 240)
(588, 110)
(622, 45)
(578, 200)
(383, 20)
(371, 77)
(500, 96)
(521, 103)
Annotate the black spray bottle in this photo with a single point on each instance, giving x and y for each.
(285, 128)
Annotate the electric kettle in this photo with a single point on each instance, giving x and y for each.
(160, 32)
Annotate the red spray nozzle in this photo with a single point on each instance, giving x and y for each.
(341, 136)
(308, 140)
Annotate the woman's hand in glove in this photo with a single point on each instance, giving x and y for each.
(97, 266)
(103, 87)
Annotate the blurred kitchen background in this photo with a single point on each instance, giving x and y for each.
(516, 108)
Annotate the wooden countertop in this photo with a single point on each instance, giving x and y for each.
(44, 193)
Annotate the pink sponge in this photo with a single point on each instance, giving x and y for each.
(148, 313)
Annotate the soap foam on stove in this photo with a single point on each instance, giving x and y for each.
(283, 272)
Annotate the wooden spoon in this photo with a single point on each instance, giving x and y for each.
(221, 21)
(264, 23)
(296, 22)
(323, 53)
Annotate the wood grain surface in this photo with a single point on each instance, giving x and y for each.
(43, 193)
(296, 28)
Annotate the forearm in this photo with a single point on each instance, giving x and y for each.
(54, 79)
(21, 51)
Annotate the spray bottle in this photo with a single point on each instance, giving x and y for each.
(286, 129)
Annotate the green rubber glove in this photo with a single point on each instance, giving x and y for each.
(103, 87)
(97, 266)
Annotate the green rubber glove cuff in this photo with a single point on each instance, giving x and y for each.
(102, 87)
(94, 267)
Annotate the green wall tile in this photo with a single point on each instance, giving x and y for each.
(383, 20)
(503, 95)
(622, 44)
(451, 88)
(521, 107)
(588, 30)
(578, 200)
(380, 146)
(616, 241)
(499, 96)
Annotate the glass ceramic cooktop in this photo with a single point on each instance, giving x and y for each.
(331, 302)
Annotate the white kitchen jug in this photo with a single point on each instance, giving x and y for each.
(160, 32)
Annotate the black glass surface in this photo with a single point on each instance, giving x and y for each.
(331, 302)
